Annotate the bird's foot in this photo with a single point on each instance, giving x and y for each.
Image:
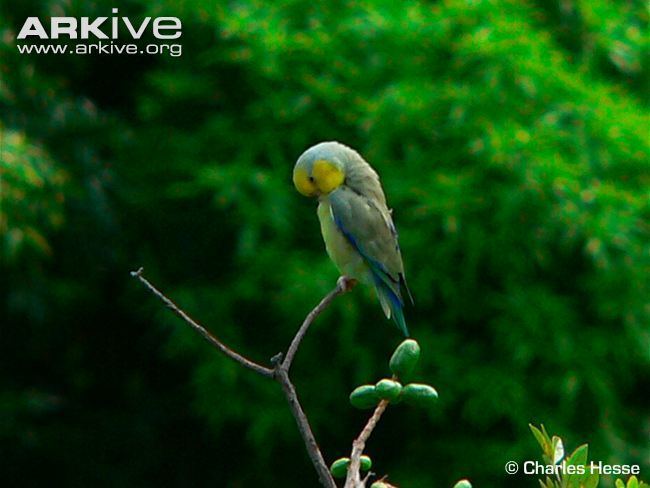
(345, 283)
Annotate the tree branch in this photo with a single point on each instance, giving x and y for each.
(324, 475)
(280, 371)
(353, 479)
(247, 363)
(343, 285)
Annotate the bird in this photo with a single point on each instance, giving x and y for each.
(356, 223)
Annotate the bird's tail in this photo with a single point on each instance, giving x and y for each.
(392, 304)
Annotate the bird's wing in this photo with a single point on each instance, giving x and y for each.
(368, 226)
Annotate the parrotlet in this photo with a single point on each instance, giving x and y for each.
(357, 226)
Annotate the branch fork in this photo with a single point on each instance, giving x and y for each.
(279, 372)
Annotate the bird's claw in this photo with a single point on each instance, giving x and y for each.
(345, 283)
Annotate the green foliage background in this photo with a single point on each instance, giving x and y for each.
(513, 143)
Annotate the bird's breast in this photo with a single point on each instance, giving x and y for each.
(341, 252)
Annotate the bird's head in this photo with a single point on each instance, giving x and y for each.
(320, 169)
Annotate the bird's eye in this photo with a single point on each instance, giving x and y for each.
(311, 178)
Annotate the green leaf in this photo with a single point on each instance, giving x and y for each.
(548, 483)
(542, 438)
(577, 458)
(591, 480)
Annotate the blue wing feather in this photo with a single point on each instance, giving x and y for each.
(385, 285)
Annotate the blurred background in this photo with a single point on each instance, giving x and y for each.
(513, 143)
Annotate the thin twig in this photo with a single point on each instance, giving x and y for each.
(342, 285)
(353, 479)
(247, 363)
(279, 373)
(324, 475)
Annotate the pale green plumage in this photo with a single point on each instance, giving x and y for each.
(345, 257)
(357, 226)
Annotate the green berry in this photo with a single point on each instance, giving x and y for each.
(403, 361)
(388, 389)
(463, 484)
(364, 397)
(339, 468)
(419, 395)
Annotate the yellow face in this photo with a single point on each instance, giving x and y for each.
(325, 177)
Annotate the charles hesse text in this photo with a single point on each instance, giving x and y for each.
(537, 468)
